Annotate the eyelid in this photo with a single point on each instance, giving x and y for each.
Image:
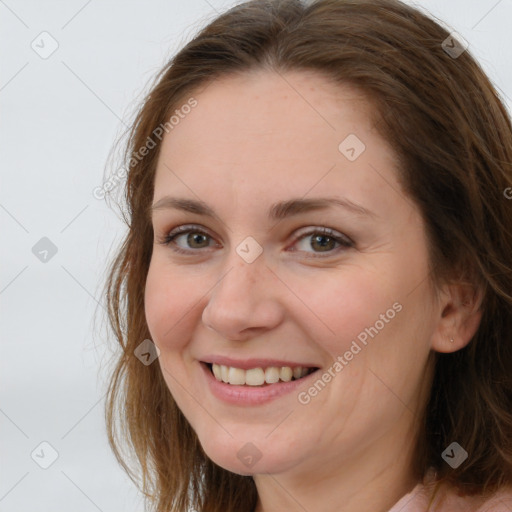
(171, 235)
(344, 241)
(328, 231)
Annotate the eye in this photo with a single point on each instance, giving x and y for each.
(322, 240)
(194, 236)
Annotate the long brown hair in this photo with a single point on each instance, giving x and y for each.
(453, 137)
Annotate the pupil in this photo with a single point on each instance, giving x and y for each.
(320, 237)
(193, 237)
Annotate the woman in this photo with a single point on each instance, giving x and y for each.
(313, 297)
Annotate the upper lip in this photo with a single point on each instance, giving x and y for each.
(247, 364)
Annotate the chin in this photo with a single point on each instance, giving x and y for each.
(248, 458)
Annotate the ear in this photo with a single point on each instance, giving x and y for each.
(459, 317)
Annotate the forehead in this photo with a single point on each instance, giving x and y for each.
(266, 107)
(262, 131)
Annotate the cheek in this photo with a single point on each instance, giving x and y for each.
(370, 327)
(168, 301)
(341, 306)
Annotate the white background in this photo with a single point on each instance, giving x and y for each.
(59, 118)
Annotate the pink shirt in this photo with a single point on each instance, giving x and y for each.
(445, 500)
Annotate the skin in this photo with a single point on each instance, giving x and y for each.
(252, 140)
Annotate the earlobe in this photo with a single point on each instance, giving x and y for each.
(459, 319)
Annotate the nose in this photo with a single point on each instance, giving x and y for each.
(245, 302)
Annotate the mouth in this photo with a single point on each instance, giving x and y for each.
(260, 376)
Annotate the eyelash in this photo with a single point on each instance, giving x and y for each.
(168, 239)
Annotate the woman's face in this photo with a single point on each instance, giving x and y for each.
(259, 287)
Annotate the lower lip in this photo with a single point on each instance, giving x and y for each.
(252, 395)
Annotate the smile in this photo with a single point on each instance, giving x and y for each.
(254, 381)
(259, 376)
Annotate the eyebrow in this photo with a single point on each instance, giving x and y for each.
(277, 211)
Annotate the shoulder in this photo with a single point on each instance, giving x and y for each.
(429, 496)
(501, 501)
(450, 500)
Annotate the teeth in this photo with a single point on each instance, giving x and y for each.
(217, 371)
(286, 374)
(297, 372)
(254, 377)
(272, 375)
(224, 373)
(236, 376)
(257, 376)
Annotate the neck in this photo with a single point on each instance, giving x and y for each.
(372, 479)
